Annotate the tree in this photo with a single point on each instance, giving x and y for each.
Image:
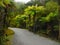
(51, 6)
(19, 21)
(34, 2)
(34, 12)
(20, 7)
(59, 21)
(53, 13)
(3, 23)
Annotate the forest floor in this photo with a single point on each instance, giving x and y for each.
(24, 37)
(9, 36)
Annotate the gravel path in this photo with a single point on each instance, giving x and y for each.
(24, 37)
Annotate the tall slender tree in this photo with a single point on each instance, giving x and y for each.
(4, 5)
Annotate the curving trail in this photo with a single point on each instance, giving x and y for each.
(24, 37)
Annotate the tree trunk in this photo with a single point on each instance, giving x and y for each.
(2, 26)
(59, 23)
(59, 29)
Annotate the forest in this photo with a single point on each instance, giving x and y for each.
(37, 16)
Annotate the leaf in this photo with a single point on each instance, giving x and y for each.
(1, 4)
(7, 1)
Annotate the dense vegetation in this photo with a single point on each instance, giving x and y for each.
(36, 16)
(39, 18)
(4, 15)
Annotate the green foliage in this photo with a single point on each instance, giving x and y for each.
(4, 5)
(36, 17)
(30, 10)
(35, 9)
(51, 6)
(56, 27)
(19, 20)
(20, 7)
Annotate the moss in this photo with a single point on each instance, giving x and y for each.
(9, 36)
(9, 32)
